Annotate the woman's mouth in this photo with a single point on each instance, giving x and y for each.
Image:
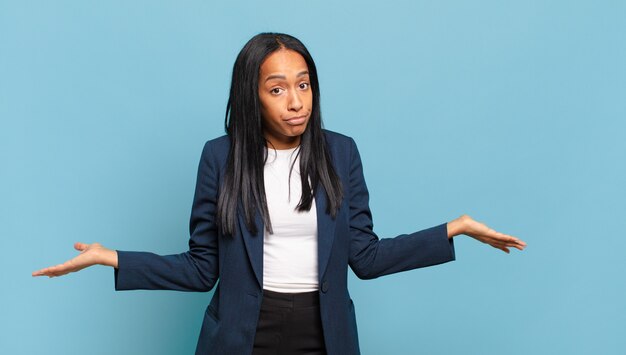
(295, 121)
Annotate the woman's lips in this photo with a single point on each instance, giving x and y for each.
(295, 121)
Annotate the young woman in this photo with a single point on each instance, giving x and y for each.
(280, 211)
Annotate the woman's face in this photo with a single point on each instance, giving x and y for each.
(286, 98)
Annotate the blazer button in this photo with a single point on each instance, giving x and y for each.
(324, 286)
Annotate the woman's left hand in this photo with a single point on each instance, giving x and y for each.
(480, 231)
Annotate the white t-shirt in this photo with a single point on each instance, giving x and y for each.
(290, 253)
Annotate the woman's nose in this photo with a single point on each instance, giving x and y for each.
(295, 102)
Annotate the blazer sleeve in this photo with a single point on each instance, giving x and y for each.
(371, 257)
(194, 270)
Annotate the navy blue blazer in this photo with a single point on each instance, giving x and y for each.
(230, 319)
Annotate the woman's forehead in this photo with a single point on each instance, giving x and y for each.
(283, 62)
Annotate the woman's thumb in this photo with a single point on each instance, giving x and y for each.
(80, 246)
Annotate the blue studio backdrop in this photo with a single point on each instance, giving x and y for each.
(510, 111)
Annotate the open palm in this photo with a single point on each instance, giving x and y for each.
(483, 233)
(90, 254)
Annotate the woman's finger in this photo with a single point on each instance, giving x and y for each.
(509, 240)
(42, 272)
(52, 270)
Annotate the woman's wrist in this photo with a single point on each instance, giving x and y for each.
(457, 226)
(108, 257)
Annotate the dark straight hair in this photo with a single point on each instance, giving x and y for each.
(243, 185)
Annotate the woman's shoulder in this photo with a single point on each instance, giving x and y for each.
(220, 144)
(335, 138)
(216, 148)
(219, 141)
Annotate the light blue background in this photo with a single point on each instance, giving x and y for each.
(512, 112)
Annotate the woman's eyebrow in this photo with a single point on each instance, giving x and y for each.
(280, 76)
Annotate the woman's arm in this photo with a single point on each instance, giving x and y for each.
(194, 270)
(371, 257)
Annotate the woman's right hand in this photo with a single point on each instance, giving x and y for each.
(90, 254)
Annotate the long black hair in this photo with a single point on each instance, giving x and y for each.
(243, 185)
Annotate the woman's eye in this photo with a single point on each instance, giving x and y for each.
(276, 91)
(304, 86)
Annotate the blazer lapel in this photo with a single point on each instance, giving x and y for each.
(254, 245)
(325, 231)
